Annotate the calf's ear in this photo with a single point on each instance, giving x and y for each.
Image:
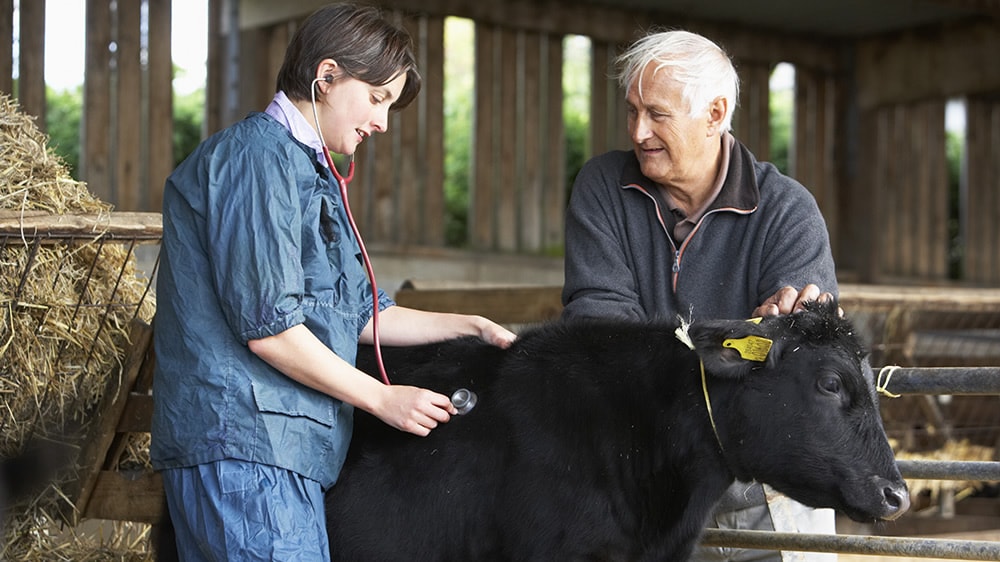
(730, 348)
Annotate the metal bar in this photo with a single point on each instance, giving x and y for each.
(950, 470)
(941, 380)
(854, 544)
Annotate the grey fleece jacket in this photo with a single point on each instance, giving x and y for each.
(764, 231)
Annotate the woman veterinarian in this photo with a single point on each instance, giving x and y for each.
(262, 302)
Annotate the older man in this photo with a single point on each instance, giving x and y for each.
(689, 224)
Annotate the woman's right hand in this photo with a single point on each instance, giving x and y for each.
(412, 409)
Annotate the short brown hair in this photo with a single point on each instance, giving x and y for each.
(364, 44)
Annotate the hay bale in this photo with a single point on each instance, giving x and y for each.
(65, 308)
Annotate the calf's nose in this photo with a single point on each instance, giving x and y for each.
(896, 499)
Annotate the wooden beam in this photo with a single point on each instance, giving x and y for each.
(140, 226)
(955, 60)
(507, 305)
(31, 64)
(606, 23)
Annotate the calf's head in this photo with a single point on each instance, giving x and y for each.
(795, 407)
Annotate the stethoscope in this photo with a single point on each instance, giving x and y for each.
(342, 183)
(463, 399)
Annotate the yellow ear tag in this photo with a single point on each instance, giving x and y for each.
(753, 348)
(755, 319)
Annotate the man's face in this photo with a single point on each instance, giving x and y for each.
(673, 148)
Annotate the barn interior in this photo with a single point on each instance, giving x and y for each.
(879, 91)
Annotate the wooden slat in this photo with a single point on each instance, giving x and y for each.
(982, 230)
(600, 62)
(506, 220)
(159, 135)
(813, 141)
(137, 417)
(143, 226)
(95, 157)
(7, 46)
(913, 168)
(505, 301)
(530, 140)
(554, 202)
(214, 66)
(102, 433)
(751, 122)
(126, 497)
(432, 133)
(31, 66)
(273, 45)
(481, 186)
(508, 305)
(382, 196)
(128, 187)
(410, 183)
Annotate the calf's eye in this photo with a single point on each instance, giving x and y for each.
(830, 384)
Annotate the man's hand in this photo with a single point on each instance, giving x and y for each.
(789, 299)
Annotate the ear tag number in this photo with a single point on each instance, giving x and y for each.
(752, 348)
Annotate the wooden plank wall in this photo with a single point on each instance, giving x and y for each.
(397, 194)
(31, 63)
(608, 125)
(811, 158)
(982, 191)
(517, 193)
(127, 121)
(751, 122)
(908, 185)
(7, 46)
(31, 53)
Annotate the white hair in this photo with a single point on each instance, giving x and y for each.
(704, 69)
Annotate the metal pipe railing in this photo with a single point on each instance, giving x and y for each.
(941, 380)
(985, 471)
(854, 544)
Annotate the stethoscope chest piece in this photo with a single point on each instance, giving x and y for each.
(464, 400)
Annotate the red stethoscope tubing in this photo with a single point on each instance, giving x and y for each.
(342, 182)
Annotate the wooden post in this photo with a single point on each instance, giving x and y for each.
(432, 135)
(7, 46)
(128, 108)
(555, 146)
(95, 145)
(31, 83)
(482, 198)
(160, 133)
